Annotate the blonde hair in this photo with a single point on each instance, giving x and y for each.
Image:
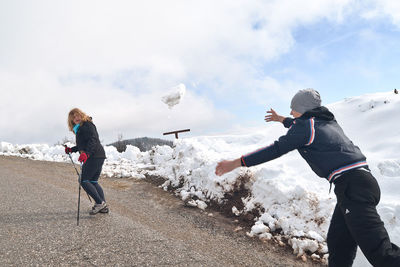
(71, 115)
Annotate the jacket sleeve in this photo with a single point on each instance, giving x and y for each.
(297, 136)
(74, 149)
(91, 134)
(287, 122)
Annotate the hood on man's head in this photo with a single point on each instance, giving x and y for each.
(306, 99)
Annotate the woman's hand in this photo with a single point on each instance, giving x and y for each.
(227, 166)
(274, 116)
(83, 157)
(68, 150)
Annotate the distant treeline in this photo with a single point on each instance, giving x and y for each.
(143, 143)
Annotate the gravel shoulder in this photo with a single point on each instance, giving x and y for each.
(146, 226)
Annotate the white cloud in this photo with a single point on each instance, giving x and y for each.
(382, 9)
(116, 59)
(38, 112)
(170, 37)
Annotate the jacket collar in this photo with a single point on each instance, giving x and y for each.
(320, 113)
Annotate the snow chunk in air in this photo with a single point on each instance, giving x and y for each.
(175, 96)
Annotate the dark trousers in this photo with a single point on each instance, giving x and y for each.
(90, 175)
(355, 221)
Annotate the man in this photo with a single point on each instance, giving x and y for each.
(319, 139)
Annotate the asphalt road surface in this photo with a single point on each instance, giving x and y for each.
(145, 227)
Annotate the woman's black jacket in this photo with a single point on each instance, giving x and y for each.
(87, 140)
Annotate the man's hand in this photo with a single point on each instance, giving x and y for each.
(227, 166)
(274, 116)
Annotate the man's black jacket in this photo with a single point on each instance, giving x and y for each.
(320, 141)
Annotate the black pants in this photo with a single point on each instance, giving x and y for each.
(355, 221)
(90, 175)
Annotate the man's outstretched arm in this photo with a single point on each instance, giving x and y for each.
(273, 116)
(227, 166)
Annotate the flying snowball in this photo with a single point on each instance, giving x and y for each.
(175, 96)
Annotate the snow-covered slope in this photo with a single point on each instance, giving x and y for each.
(293, 204)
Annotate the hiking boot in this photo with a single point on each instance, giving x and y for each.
(97, 208)
(105, 210)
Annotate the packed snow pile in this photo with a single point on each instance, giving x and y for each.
(175, 96)
(290, 203)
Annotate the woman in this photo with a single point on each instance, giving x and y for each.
(92, 156)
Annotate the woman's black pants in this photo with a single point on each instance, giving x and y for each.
(91, 170)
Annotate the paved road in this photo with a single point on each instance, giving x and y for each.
(146, 226)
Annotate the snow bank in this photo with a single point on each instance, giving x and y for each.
(34, 151)
(292, 203)
(281, 195)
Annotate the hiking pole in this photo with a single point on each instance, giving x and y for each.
(79, 201)
(79, 175)
(79, 190)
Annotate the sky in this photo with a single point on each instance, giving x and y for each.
(237, 59)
